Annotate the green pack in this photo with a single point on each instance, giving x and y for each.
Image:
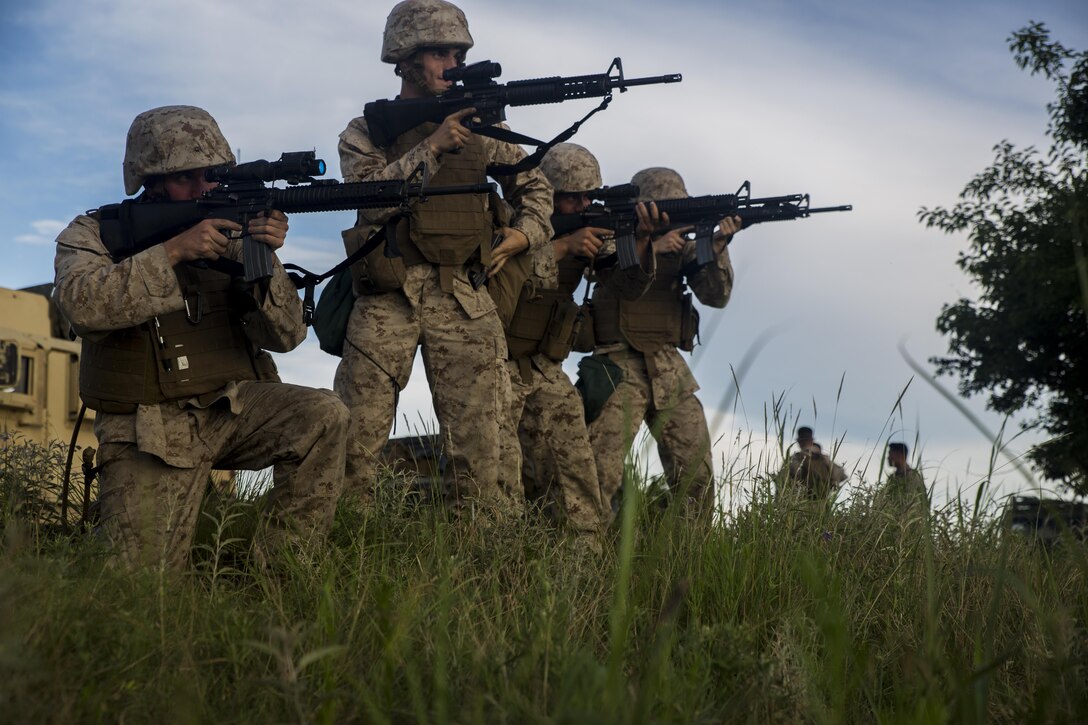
(598, 378)
(332, 312)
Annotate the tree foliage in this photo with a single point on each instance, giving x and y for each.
(1024, 340)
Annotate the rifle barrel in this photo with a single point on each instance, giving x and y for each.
(649, 80)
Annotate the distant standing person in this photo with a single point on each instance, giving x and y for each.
(809, 470)
(904, 484)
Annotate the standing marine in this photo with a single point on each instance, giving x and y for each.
(422, 296)
(640, 341)
(174, 359)
(544, 320)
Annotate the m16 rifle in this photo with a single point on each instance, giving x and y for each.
(617, 213)
(475, 87)
(137, 224)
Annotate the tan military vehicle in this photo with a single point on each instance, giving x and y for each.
(39, 370)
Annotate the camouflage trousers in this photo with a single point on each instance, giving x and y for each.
(676, 421)
(556, 461)
(150, 508)
(463, 357)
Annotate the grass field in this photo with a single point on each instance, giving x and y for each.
(780, 612)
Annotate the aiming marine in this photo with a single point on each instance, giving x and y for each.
(639, 343)
(543, 323)
(173, 358)
(417, 291)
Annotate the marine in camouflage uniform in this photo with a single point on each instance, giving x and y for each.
(178, 394)
(546, 411)
(643, 338)
(424, 297)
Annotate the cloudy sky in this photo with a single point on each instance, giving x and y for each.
(887, 106)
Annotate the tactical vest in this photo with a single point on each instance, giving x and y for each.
(546, 321)
(662, 317)
(175, 356)
(446, 230)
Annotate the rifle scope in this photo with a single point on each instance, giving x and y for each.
(293, 167)
(482, 71)
(622, 192)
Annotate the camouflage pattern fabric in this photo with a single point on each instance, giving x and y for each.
(549, 412)
(172, 138)
(155, 461)
(528, 192)
(659, 182)
(150, 507)
(676, 420)
(464, 354)
(415, 24)
(571, 168)
(464, 347)
(658, 388)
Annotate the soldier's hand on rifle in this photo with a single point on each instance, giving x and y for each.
(727, 227)
(204, 240)
(270, 228)
(452, 134)
(514, 242)
(584, 242)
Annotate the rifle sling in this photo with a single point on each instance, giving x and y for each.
(532, 160)
(304, 278)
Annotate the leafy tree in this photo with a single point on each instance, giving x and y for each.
(1024, 341)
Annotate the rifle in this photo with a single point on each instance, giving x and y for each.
(702, 212)
(135, 225)
(475, 86)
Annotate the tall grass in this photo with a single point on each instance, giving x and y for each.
(779, 611)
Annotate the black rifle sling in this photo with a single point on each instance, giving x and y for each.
(542, 147)
(303, 278)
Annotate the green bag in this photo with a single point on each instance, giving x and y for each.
(332, 312)
(598, 378)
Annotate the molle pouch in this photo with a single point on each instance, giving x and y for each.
(598, 378)
(562, 328)
(377, 272)
(689, 324)
(584, 340)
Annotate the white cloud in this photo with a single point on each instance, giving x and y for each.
(45, 232)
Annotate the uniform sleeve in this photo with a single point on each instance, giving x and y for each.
(362, 160)
(528, 192)
(97, 295)
(713, 283)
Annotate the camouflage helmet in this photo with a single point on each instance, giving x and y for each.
(571, 168)
(172, 138)
(659, 182)
(415, 24)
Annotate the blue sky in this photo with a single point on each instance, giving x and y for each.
(887, 106)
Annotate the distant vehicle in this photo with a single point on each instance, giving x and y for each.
(39, 370)
(1046, 518)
